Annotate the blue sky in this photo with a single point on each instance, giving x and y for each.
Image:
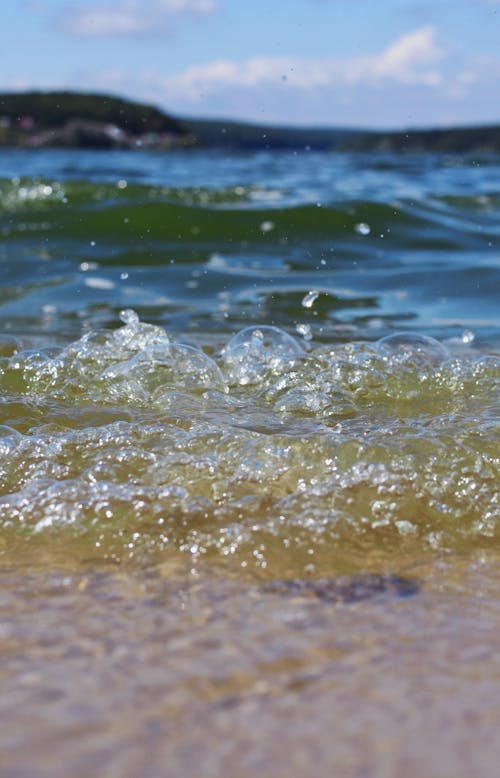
(371, 63)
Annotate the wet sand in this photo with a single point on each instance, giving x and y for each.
(154, 673)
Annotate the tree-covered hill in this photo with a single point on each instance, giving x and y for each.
(81, 120)
(74, 118)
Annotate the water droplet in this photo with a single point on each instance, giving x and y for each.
(305, 331)
(267, 226)
(121, 184)
(468, 337)
(129, 317)
(310, 298)
(362, 228)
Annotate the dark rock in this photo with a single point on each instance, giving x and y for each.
(345, 589)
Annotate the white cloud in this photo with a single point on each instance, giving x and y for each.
(413, 81)
(408, 58)
(131, 17)
(411, 59)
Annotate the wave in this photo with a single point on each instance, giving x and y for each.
(123, 212)
(130, 444)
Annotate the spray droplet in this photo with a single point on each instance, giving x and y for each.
(305, 331)
(362, 228)
(128, 316)
(310, 298)
(267, 226)
(468, 337)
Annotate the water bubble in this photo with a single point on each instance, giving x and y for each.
(255, 351)
(121, 184)
(310, 298)
(163, 366)
(412, 347)
(468, 337)
(362, 228)
(9, 345)
(267, 226)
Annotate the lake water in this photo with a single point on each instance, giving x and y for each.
(250, 465)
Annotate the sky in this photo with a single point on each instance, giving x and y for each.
(357, 63)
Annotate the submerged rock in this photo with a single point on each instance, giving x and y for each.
(345, 589)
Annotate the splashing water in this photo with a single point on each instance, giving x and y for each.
(256, 351)
(138, 446)
(213, 533)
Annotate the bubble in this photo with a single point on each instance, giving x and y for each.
(267, 226)
(362, 228)
(255, 351)
(163, 366)
(9, 346)
(412, 347)
(310, 298)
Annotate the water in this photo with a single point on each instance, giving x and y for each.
(249, 464)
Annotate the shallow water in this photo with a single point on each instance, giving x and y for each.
(249, 435)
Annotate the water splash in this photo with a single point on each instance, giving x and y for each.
(266, 456)
(256, 351)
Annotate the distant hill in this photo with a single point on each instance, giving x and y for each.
(455, 140)
(81, 120)
(239, 135)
